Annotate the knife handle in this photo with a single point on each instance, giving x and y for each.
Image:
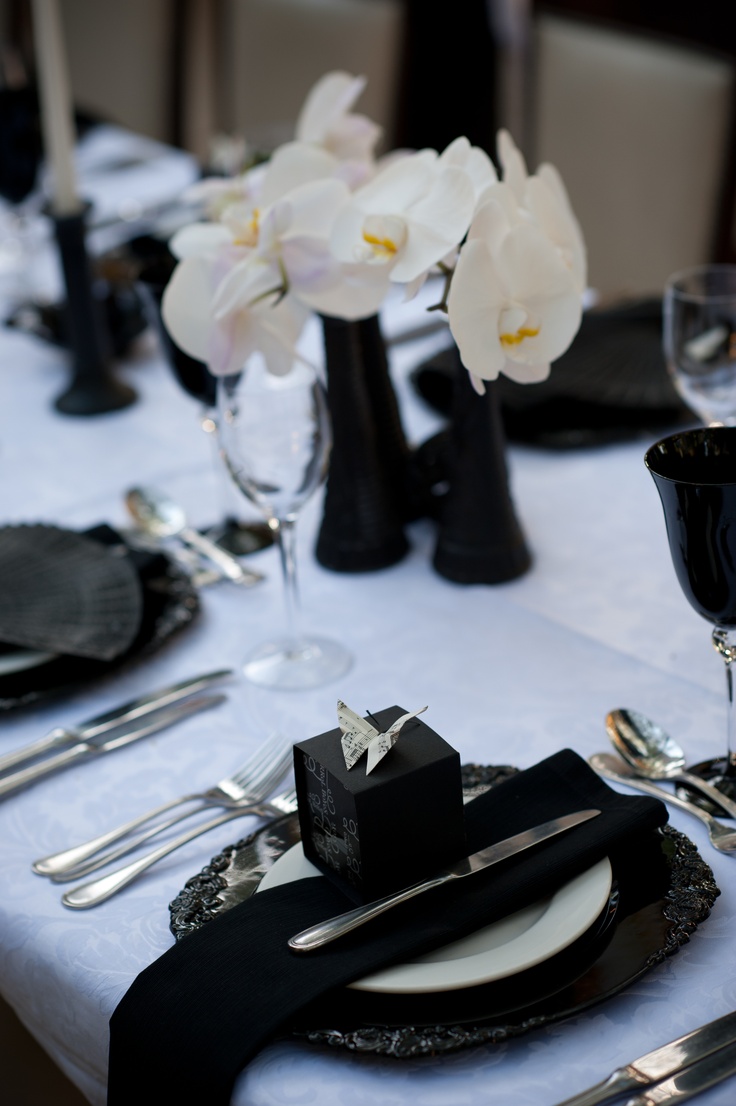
(324, 932)
(57, 736)
(618, 1083)
(16, 780)
(691, 1081)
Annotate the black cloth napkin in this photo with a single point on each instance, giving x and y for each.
(192, 1020)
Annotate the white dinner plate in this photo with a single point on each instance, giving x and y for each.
(21, 659)
(504, 948)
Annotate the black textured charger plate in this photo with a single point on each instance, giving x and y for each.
(658, 900)
(169, 603)
(611, 385)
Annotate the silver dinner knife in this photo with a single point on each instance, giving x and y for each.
(698, 1045)
(693, 1080)
(85, 749)
(101, 724)
(321, 934)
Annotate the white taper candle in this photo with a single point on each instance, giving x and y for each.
(57, 118)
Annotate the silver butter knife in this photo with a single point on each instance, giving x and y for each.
(321, 934)
(101, 724)
(698, 1045)
(164, 717)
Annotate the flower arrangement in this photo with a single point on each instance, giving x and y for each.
(324, 226)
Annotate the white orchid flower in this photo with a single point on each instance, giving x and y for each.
(513, 306)
(542, 200)
(407, 218)
(552, 212)
(513, 165)
(267, 323)
(325, 119)
(474, 161)
(293, 246)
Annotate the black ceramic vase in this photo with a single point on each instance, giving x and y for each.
(480, 540)
(367, 497)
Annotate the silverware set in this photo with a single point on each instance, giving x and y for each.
(646, 754)
(106, 732)
(249, 790)
(673, 1073)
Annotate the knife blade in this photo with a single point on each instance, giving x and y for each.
(691, 1081)
(101, 724)
(316, 936)
(697, 1045)
(86, 749)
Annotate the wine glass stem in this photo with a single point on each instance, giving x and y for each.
(724, 641)
(285, 530)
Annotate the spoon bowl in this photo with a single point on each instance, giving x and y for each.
(161, 517)
(654, 755)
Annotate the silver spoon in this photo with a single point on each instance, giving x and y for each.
(722, 837)
(161, 517)
(657, 756)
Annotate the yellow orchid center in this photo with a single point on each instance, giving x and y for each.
(383, 246)
(384, 235)
(249, 230)
(515, 327)
(518, 337)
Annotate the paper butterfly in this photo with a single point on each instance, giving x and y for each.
(358, 735)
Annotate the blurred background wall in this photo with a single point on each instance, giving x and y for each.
(633, 100)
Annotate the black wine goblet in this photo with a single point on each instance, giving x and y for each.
(695, 475)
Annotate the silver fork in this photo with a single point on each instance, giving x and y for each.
(99, 890)
(259, 775)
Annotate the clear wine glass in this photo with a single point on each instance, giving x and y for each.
(695, 475)
(275, 438)
(700, 340)
(155, 263)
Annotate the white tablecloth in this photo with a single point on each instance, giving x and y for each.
(510, 673)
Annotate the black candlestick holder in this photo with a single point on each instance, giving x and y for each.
(93, 389)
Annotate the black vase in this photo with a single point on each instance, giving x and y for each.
(367, 496)
(155, 266)
(480, 540)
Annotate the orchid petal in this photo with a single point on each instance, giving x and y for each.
(537, 278)
(474, 306)
(244, 284)
(199, 238)
(551, 209)
(437, 222)
(526, 374)
(512, 163)
(185, 306)
(313, 207)
(398, 186)
(474, 161)
(357, 293)
(293, 164)
(487, 224)
(332, 96)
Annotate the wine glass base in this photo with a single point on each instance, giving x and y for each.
(288, 666)
(712, 771)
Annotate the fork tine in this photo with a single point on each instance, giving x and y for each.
(277, 749)
(263, 757)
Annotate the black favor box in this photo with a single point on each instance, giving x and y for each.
(374, 834)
